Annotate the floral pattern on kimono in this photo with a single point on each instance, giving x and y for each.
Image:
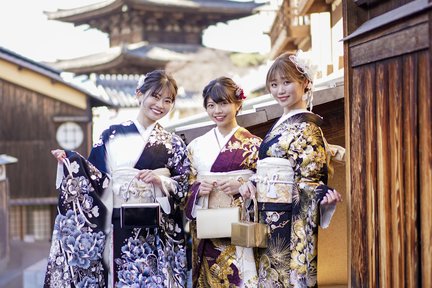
(78, 241)
(290, 260)
(147, 257)
(214, 261)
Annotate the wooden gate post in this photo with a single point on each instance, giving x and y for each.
(4, 210)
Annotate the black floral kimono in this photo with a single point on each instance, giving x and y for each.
(292, 172)
(89, 246)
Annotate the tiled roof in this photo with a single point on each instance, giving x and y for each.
(119, 91)
(85, 13)
(192, 66)
(133, 58)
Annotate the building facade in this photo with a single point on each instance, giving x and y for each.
(39, 112)
(388, 120)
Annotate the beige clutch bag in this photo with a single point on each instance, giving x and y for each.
(249, 234)
(216, 223)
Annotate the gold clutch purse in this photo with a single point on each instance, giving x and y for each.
(249, 234)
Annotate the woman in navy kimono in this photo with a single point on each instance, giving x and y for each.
(221, 159)
(292, 170)
(133, 162)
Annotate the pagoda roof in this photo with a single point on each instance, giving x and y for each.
(220, 10)
(135, 58)
(119, 91)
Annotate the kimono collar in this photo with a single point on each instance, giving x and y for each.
(229, 134)
(145, 132)
(222, 140)
(290, 114)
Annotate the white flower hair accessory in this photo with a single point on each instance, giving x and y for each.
(306, 68)
(303, 65)
(141, 81)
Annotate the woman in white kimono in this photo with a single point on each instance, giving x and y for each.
(291, 180)
(134, 162)
(221, 159)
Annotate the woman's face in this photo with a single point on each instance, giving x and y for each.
(287, 94)
(222, 113)
(155, 105)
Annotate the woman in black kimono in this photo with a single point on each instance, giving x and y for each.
(290, 182)
(132, 163)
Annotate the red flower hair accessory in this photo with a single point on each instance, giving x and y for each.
(239, 93)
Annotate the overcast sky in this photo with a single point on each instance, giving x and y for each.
(25, 30)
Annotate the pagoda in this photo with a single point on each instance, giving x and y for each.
(146, 34)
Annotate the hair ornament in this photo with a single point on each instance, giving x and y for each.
(303, 64)
(141, 81)
(305, 67)
(239, 93)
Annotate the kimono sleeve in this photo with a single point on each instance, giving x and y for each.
(98, 154)
(179, 166)
(251, 153)
(309, 154)
(192, 197)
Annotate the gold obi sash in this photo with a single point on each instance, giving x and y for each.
(128, 189)
(217, 198)
(275, 180)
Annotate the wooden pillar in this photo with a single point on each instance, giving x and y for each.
(4, 210)
(4, 218)
(387, 48)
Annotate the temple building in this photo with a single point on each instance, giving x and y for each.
(146, 35)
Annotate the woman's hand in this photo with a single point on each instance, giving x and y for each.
(206, 187)
(59, 154)
(331, 197)
(148, 176)
(247, 190)
(229, 187)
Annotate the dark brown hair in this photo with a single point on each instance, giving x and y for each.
(221, 89)
(157, 80)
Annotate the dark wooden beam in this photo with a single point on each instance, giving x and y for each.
(368, 3)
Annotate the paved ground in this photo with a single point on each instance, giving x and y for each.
(22, 256)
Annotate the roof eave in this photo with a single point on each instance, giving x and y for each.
(102, 66)
(45, 70)
(80, 15)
